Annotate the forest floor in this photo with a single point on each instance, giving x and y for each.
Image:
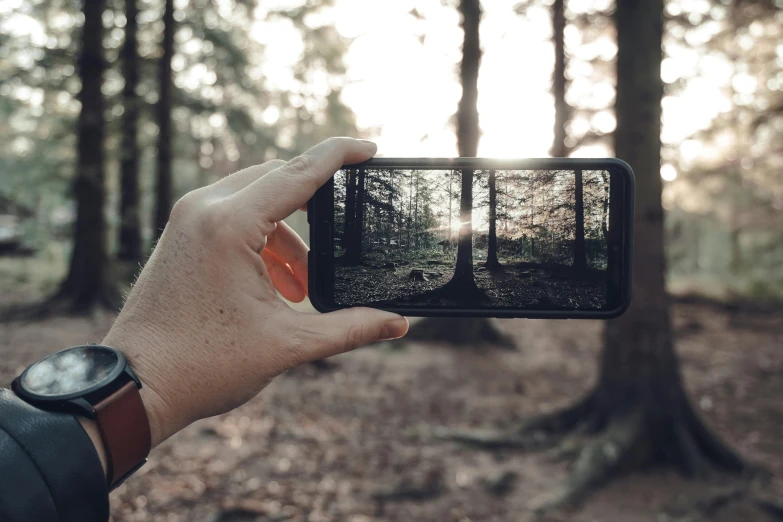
(516, 284)
(345, 444)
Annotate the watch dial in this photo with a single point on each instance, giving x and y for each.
(70, 371)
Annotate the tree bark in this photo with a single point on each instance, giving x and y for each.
(350, 209)
(390, 233)
(86, 284)
(463, 273)
(163, 192)
(451, 178)
(357, 232)
(467, 140)
(559, 81)
(130, 248)
(492, 240)
(467, 112)
(580, 252)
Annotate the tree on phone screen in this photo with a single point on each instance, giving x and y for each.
(465, 331)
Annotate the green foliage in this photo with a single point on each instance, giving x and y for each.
(220, 97)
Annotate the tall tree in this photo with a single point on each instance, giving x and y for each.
(350, 208)
(130, 222)
(559, 81)
(163, 190)
(358, 227)
(492, 240)
(465, 331)
(580, 252)
(639, 406)
(87, 284)
(468, 134)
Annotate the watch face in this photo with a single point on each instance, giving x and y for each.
(72, 371)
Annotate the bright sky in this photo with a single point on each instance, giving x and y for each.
(402, 78)
(403, 86)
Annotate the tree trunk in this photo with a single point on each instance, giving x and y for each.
(354, 255)
(473, 332)
(130, 225)
(416, 234)
(492, 240)
(559, 81)
(580, 253)
(350, 209)
(467, 142)
(87, 284)
(467, 113)
(390, 234)
(163, 192)
(463, 273)
(410, 210)
(451, 177)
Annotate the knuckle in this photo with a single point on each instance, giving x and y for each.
(213, 220)
(355, 337)
(302, 164)
(185, 208)
(302, 169)
(297, 352)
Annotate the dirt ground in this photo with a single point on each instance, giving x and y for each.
(517, 284)
(326, 445)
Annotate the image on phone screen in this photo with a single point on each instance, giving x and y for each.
(490, 239)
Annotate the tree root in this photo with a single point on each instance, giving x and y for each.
(582, 417)
(622, 446)
(490, 440)
(624, 438)
(773, 509)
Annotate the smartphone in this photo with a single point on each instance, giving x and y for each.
(473, 237)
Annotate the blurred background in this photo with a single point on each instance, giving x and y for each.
(110, 110)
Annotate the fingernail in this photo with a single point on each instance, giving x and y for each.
(394, 329)
(371, 145)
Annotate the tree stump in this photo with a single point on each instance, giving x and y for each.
(417, 275)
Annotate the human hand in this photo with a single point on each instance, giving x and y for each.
(203, 326)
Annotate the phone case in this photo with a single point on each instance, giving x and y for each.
(320, 232)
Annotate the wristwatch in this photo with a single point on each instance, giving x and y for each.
(94, 381)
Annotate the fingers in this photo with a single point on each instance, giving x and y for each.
(290, 249)
(239, 180)
(345, 330)
(278, 194)
(282, 278)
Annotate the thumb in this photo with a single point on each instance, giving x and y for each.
(346, 330)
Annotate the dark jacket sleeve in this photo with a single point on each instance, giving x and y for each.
(49, 469)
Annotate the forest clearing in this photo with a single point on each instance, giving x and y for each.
(338, 445)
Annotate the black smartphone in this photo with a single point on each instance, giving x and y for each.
(534, 238)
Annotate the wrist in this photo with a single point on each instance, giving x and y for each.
(159, 414)
(92, 431)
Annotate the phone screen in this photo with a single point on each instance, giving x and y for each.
(423, 238)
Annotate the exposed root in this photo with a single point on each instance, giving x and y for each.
(491, 440)
(582, 417)
(623, 445)
(773, 509)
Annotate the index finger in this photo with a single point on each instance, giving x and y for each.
(285, 189)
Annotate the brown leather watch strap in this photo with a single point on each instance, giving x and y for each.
(125, 430)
